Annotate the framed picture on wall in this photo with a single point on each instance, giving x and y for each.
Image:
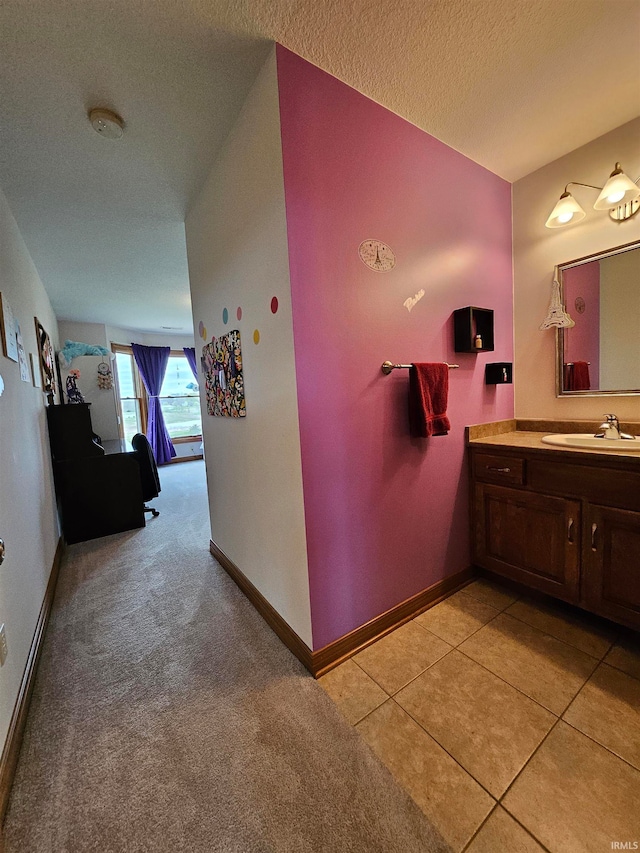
(25, 375)
(35, 371)
(47, 361)
(8, 329)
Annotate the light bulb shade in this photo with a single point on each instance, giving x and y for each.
(566, 210)
(618, 190)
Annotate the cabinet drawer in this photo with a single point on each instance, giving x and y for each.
(492, 468)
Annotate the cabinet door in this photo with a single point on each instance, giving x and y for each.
(531, 538)
(611, 563)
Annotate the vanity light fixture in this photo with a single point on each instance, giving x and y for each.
(620, 196)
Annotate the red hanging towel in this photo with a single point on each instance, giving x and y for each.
(428, 394)
(581, 381)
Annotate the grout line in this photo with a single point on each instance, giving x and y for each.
(602, 746)
(616, 669)
(526, 764)
(515, 819)
(473, 836)
(415, 678)
(444, 749)
(528, 831)
(575, 728)
(571, 645)
(501, 609)
(517, 689)
(369, 713)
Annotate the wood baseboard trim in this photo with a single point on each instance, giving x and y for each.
(270, 615)
(177, 459)
(339, 650)
(11, 749)
(321, 661)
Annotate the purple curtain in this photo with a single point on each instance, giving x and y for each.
(152, 364)
(190, 354)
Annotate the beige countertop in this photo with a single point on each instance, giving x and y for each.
(506, 434)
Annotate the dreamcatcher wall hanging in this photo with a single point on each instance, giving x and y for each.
(105, 376)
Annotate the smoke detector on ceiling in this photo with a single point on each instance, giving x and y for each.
(106, 123)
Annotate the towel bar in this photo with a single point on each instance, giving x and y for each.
(387, 367)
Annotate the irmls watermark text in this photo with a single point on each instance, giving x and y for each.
(625, 845)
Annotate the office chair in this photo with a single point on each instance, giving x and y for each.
(148, 470)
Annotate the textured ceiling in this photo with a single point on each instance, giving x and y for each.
(513, 84)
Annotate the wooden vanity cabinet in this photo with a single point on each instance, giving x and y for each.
(533, 539)
(568, 528)
(611, 563)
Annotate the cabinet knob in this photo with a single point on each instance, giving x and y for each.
(499, 470)
(594, 530)
(570, 530)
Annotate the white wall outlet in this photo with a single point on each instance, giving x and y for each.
(3, 645)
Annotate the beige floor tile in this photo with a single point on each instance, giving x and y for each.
(456, 618)
(502, 834)
(491, 592)
(625, 655)
(575, 796)
(485, 724)
(454, 803)
(399, 657)
(546, 669)
(608, 710)
(581, 630)
(352, 690)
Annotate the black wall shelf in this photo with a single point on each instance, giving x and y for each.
(498, 373)
(470, 322)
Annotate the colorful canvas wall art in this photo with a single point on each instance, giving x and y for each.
(47, 361)
(224, 382)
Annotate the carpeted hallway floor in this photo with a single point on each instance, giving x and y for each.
(168, 717)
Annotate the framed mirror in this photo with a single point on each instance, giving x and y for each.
(601, 353)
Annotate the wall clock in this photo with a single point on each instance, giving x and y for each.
(377, 255)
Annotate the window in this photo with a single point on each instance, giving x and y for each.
(131, 396)
(180, 399)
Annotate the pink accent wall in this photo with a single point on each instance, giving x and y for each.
(582, 342)
(386, 515)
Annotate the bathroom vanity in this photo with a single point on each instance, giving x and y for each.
(564, 521)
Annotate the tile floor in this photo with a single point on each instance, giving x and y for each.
(513, 723)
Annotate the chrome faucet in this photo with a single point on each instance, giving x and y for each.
(611, 429)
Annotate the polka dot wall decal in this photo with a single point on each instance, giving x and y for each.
(239, 313)
(204, 333)
(225, 316)
(274, 304)
(256, 337)
(201, 329)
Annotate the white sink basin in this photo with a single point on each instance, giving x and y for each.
(579, 439)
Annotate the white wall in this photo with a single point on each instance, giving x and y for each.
(537, 249)
(28, 519)
(103, 401)
(237, 251)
